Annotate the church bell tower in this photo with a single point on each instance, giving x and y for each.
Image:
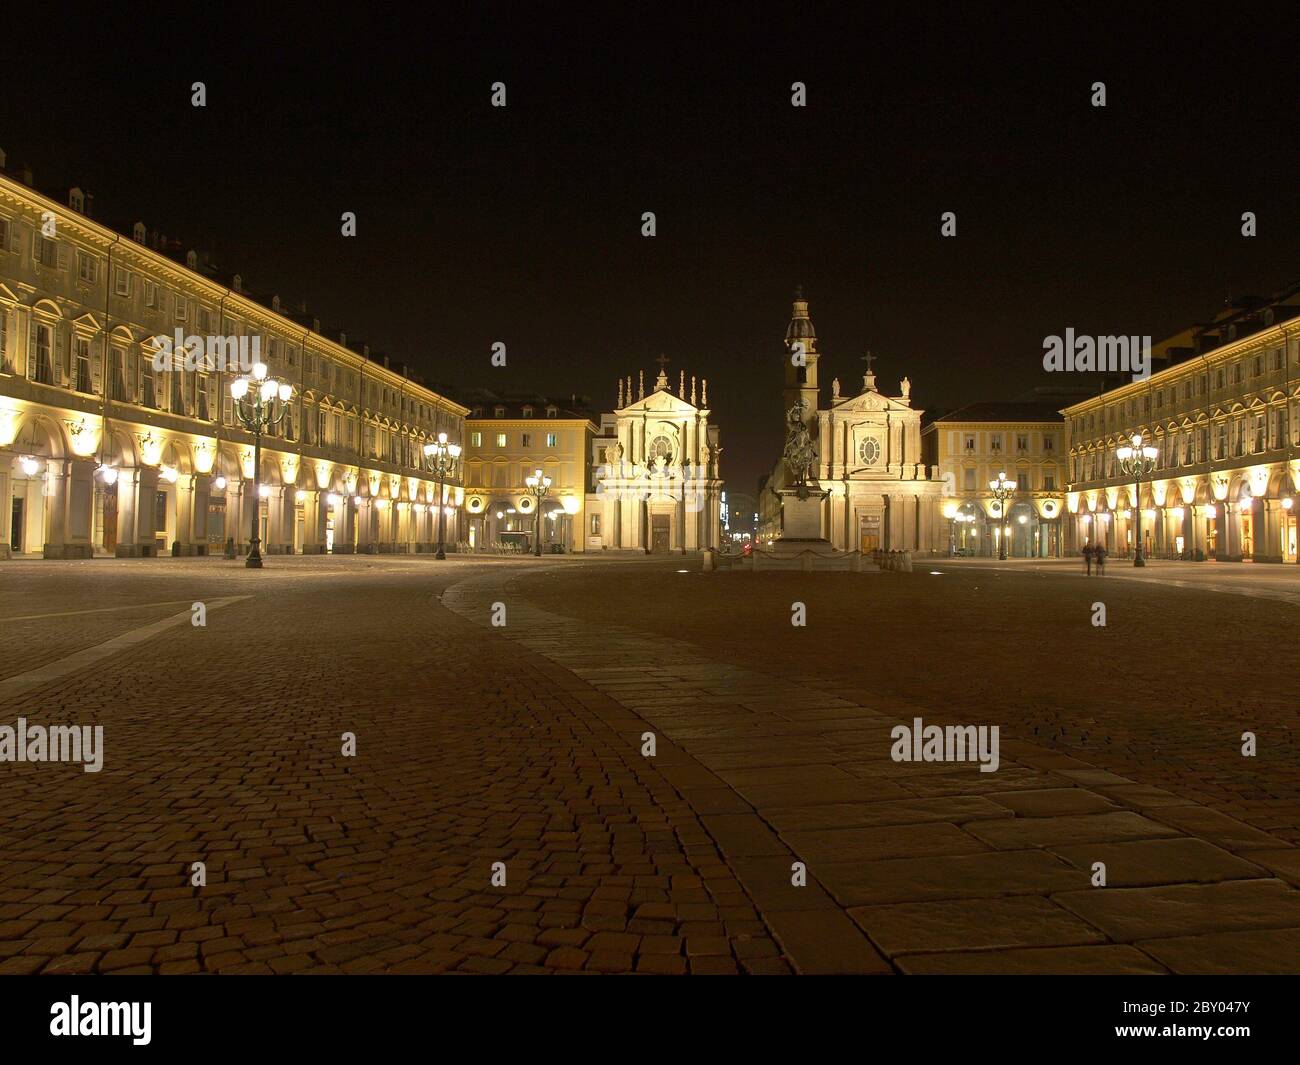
(801, 361)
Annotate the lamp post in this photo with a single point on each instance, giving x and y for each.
(1002, 490)
(1137, 461)
(261, 403)
(538, 484)
(444, 457)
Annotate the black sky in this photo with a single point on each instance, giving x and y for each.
(523, 224)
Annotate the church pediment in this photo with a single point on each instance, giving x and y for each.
(868, 402)
(661, 402)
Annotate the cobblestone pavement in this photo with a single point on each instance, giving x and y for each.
(522, 744)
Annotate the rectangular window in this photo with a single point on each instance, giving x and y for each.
(117, 375)
(47, 251)
(476, 439)
(969, 482)
(1022, 442)
(1049, 482)
(527, 440)
(995, 442)
(501, 439)
(6, 365)
(122, 282)
(552, 439)
(82, 377)
(1022, 481)
(1049, 443)
(182, 308)
(595, 525)
(970, 443)
(87, 267)
(150, 294)
(44, 368)
(148, 396)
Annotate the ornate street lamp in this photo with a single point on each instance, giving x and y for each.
(443, 457)
(538, 484)
(1002, 490)
(261, 403)
(1137, 461)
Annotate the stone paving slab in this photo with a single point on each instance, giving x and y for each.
(813, 777)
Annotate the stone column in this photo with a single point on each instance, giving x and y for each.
(71, 503)
(1268, 531)
(185, 516)
(6, 498)
(136, 489)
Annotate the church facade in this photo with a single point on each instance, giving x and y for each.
(877, 492)
(656, 485)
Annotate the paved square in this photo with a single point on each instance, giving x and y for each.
(522, 745)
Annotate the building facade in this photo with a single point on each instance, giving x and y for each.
(104, 452)
(975, 444)
(879, 491)
(656, 471)
(1224, 417)
(509, 439)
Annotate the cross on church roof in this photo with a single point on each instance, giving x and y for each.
(868, 358)
(662, 380)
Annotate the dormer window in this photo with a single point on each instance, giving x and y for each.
(77, 200)
(478, 412)
(137, 233)
(528, 412)
(552, 412)
(192, 260)
(499, 412)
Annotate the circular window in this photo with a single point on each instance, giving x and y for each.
(661, 448)
(869, 451)
(524, 504)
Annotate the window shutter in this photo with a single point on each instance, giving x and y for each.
(97, 367)
(62, 256)
(31, 347)
(13, 238)
(33, 243)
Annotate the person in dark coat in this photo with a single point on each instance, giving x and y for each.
(1087, 557)
(1100, 555)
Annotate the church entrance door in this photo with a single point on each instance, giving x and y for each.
(659, 533)
(869, 538)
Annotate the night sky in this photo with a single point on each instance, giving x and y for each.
(523, 224)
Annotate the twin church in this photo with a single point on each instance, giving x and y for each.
(875, 491)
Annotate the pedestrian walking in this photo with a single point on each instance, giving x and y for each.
(1087, 557)
(1100, 556)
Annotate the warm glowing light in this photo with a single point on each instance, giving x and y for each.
(300, 496)
(107, 474)
(30, 465)
(571, 504)
(1288, 503)
(356, 500)
(332, 499)
(219, 484)
(286, 392)
(239, 387)
(268, 390)
(1211, 511)
(264, 491)
(259, 371)
(168, 474)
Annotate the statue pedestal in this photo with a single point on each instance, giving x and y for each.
(801, 523)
